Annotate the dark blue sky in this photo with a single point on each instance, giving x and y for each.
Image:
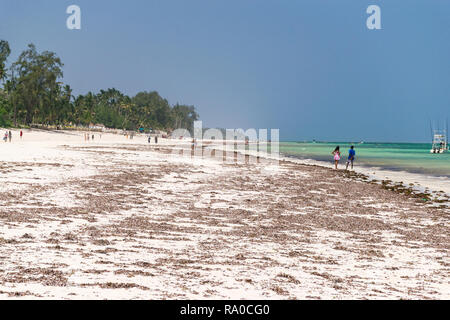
(310, 68)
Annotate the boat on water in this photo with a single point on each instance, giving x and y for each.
(440, 140)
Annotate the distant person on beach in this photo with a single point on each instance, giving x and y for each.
(92, 137)
(21, 134)
(149, 139)
(5, 137)
(351, 157)
(337, 156)
(10, 136)
(156, 140)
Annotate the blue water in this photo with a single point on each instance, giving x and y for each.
(410, 157)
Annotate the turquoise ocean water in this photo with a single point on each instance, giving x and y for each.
(410, 157)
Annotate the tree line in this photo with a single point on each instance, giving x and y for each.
(32, 92)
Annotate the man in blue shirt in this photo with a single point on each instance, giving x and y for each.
(351, 157)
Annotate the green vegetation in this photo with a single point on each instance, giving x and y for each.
(33, 93)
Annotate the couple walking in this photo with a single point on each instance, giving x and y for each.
(337, 157)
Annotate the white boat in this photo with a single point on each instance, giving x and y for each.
(440, 140)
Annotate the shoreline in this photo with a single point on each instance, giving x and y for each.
(121, 219)
(421, 182)
(373, 167)
(435, 188)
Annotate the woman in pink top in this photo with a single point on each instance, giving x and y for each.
(337, 157)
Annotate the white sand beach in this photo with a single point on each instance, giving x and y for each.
(115, 218)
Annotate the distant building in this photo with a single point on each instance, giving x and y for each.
(97, 127)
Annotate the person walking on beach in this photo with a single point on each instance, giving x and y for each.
(21, 134)
(10, 136)
(5, 137)
(351, 157)
(337, 156)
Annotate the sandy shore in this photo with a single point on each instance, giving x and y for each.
(120, 219)
(434, 185)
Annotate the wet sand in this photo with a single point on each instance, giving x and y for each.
(121, 219)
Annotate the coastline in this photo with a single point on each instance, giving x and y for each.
(121, 219)
(435, 187)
